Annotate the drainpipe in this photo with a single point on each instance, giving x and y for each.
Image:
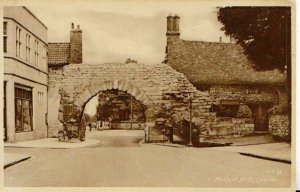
(131, 115)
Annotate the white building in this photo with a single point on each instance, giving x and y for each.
(25, 75)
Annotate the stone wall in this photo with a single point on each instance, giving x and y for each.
(279, 125)
(232, 126)
(54, 99)
(155, 86)
(245, 94)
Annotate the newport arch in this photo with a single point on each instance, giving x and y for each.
(155, 86)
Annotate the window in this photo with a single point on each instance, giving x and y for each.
(4, 112)
(28, 48)
(225, 110)
(23, 108)
(36, 53)
(18, 41)
(41, 97)
(44, 55)
(5, 37)
(44, 52)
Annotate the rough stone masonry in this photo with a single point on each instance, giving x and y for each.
(155, 86)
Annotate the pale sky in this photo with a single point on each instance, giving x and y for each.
(115, 31)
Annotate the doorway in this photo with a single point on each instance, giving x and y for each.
(261, 117)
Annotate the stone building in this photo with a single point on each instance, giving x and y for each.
(25, 75)
(241, 97)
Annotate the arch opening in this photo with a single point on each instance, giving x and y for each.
(123, 107)
(114, 109)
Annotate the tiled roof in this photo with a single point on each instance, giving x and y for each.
(58, 54)
(217, 63)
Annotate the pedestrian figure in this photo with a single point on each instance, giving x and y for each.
(90, 126)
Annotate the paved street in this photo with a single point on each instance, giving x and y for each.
(122, 162)
(117, 138)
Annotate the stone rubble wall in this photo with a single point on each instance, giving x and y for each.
(233, 126)
(279, 125)
(154, 85)
(54, 99)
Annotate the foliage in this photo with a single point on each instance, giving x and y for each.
(88, 118)
(264, 33)
(244, 112)
(278, 109)
(115, 105)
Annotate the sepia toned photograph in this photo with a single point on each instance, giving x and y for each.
(161, 94)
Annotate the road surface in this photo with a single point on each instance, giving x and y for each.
(122, 162)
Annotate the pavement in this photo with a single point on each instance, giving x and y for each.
(262, 146)
(244, 140)
(280, 152)
(259, 146)
(54, 143)
(12, 159)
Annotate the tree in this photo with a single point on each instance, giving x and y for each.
(117, 105)
(264, 33)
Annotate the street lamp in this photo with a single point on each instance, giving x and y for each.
(190, 106)
(131, 114)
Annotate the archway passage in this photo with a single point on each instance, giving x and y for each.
(119, 110)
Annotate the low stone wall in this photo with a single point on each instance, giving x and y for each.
(243, 126)
(232, 126)
(279, 125)
(127, 125)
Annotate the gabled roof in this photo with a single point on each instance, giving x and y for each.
(218, 63)
(58, 54)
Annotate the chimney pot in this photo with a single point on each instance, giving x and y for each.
(176, 20)
(72, 25)
(78, 26)
(169, 24)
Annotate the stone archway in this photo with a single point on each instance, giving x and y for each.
(155, 86)
(122, 85)
(93, 89)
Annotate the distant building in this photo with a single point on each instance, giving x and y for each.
(25, 75)
(241, 96)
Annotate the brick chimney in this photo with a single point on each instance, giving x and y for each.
(172, 34)
(173, 25)
(75, 45)
(176, 20)
(169, 25)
